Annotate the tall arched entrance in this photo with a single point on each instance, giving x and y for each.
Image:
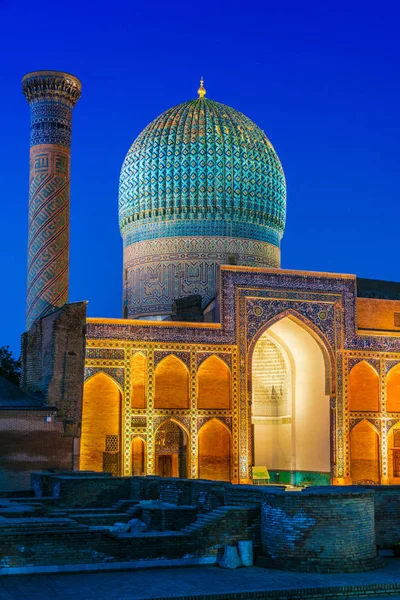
(290, 404)
(101, 425)
(171, 445)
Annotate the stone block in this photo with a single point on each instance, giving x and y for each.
(230, 559)
(245, 548)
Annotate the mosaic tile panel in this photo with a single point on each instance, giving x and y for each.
(158, 271)
(105, 353)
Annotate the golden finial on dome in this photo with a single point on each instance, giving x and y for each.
(202, 90)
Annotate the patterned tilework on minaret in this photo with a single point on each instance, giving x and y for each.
(51, 96)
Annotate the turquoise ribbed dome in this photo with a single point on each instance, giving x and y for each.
(202, 168)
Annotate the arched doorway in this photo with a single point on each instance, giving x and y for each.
(290, 404)
(364, 453)
(138, 457)
(171, 445)
(101, 424)
(214, 451)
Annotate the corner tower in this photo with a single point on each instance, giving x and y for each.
(51, 96)
(202, 186)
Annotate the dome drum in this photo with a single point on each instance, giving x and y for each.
(159, 271)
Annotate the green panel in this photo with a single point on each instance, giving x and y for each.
(300, 477)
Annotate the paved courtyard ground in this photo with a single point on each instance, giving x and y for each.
(200, 582)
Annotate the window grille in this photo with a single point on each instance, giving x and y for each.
(112, 443)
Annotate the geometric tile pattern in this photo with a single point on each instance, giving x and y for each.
(51, 96)
(203, 159)
(157, 271)
(201, 186)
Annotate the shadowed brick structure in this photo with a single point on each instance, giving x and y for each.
(51, 96)
(332, 530)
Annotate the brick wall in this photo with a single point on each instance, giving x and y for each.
(53, 354)
(70, 543)
(28, 442)
(319, 531)
(93, 491)
(168, 518)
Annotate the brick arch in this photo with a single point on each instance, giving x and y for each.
(138, 454)
(393, 389)
(364, 453)
(213, 383)
(363, 388)
(171, 383)
(317, 334)
(101, 416)
(214, 442)
(138, 380)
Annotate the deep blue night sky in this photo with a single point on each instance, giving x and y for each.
(320, 78)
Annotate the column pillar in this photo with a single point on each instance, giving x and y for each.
(51, 96)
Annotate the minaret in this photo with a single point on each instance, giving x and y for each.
(51, 96)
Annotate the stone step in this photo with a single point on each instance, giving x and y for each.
(102, 518)
(124, 504)
(76, 511)
(38, 525)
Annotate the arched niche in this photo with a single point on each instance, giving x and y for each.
(214, 448)
(364, 453)
(138, 456)
(171, 384)
(213, 384)
(290, 403)
(363, 388)
(138, 379)
(171, 447)
(393, 444)
(393, 390)
(101, 423)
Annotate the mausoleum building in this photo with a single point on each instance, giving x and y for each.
(221, 360)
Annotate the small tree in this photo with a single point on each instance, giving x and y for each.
(10, 368)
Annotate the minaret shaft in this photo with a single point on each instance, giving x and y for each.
(51, 96)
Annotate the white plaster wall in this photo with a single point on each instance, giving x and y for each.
(272, 444)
